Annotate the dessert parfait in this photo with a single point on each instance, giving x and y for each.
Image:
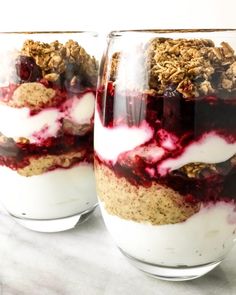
(165, 150)
(47, 94)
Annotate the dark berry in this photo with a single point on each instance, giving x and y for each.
(75, 85)
(71, 70)
(74, 81)
(27, 70)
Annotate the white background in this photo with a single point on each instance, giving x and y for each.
(106, 15)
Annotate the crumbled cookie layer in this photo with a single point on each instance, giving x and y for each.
(39, 165)
(33, 95)
(55, 59)
(155, 204)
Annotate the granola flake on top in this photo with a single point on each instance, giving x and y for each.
(194, 66)
(54, 59)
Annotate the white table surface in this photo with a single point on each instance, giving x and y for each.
(85, 261)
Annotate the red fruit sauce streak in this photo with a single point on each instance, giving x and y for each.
(188, 120)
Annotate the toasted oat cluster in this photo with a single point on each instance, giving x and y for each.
(194, 170)
(54, 58)
(114, 64)
(194, 66)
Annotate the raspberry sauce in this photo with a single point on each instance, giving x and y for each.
(185, 120)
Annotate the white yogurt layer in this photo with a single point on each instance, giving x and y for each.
(205, 237)
(82, 109)
(109, 143)
(210, 149)
(55, 194)
(17, 122)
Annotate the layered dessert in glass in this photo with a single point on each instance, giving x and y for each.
(165, 149)
(47, 95)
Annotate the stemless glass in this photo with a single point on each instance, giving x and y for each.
(47, 94)
(165, 148)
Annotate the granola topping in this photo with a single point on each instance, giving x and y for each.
(55, 59)
(194, 66)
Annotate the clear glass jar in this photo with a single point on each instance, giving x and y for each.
(47, 94)
(165, 148)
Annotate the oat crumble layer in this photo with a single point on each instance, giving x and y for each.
(45, 163)
(155, 205)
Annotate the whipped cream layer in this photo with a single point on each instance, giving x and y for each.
(54, 194)
(18, 122)
(205, 237)
(112, 142)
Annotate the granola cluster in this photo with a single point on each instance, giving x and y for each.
(229, 77)
(55, 59)
(194, 170)
(114, 65)
(194, 66)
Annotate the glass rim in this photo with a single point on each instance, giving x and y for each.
(92, 33)
(118, 33)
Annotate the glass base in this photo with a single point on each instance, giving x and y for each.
(181, 273)
(55, 225)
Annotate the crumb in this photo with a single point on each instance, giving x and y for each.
(56, 58)
(32, 95)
